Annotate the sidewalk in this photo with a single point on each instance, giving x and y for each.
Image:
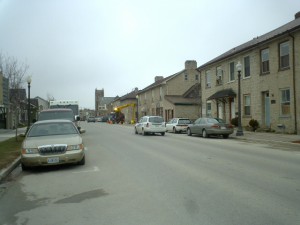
(9, 133)
(268, 137)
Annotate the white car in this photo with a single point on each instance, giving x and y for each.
(150, 125)
(52, 142)
(178, 125)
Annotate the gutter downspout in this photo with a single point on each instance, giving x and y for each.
(294, 84)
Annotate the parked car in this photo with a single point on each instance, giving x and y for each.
(98, 118)
(209, 126)
(91, 119)
(59, 113)
(104, 119)
(150, 125)
(178, 125)
(52, 142)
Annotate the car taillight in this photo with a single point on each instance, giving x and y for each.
(230, 126)
(215, 126)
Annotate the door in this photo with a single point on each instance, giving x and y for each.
(267, 118)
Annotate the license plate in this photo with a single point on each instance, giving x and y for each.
(223, 128)
(53, 160)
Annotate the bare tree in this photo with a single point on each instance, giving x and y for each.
(15, 71)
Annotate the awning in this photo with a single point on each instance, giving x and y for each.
(226, 93)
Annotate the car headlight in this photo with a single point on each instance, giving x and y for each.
(75, 147)
(29, 150)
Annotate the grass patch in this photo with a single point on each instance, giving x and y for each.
(10, 150)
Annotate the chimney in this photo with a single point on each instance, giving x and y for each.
(297, 15)
(190, 64)
(157, 78)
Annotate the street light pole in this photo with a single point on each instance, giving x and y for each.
(240, 128)
(28, 111)
(137, 108)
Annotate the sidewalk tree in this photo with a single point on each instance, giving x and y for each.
(16, 73)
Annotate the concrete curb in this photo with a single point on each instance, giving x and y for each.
(6, 171)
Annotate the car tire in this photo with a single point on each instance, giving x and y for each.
(24, 168)
(204, 133)
(82, 162)
(174, 130)
(163, 134)
(143, 132)
(225, 136)
(188, 131)
(135, 131)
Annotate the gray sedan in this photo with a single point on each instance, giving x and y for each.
(209, 126)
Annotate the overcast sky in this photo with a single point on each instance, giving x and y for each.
(73, 47)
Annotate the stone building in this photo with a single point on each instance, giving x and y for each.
(270, 81)
(177, 95)
(128, 105)
(102, 104)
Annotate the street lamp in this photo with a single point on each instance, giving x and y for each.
(240, 128)
(137, 108)
(28, 111)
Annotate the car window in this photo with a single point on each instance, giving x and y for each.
(52, 115)
(184, 121)
(211, 120)
(197, 121)
(48, 129)
(156, 119)
(220, 120)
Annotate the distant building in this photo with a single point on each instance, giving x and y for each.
(177, 95)
(102, 104)
(4, 101)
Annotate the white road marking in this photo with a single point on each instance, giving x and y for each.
(95, 169)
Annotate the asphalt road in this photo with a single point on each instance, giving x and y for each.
(172, 179)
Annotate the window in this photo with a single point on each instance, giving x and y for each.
(247, 66)
(160, 93)
(219, 75)
(208, 109)
(231, 71)
(285, 102)
(208, 79)
(186, 76)
(284, 55)
(152, 95)
(197, 77)
(265, 68)
(247, 105)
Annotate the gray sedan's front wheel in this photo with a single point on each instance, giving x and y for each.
(204, 134)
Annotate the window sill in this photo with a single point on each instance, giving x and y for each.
(285, 117)
(283, 69)
(266, 73)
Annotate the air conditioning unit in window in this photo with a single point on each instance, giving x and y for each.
(208, 85)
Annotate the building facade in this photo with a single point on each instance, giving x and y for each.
(270, 81)
(4, 101)
(174, 96)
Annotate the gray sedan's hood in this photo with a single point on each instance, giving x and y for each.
(34, 142)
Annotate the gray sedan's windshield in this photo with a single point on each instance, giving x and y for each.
(48, 129)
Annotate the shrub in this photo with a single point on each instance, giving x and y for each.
(254, 124)
(235, 121)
